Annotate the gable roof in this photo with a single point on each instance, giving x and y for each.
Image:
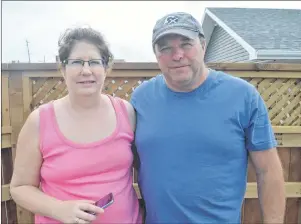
(264, 33)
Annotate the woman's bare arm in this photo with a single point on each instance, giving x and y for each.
(25, 181)
(131, 114)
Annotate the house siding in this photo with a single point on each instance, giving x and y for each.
(223, 48)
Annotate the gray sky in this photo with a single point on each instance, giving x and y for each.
(127, 26)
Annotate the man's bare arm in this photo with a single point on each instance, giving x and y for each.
(271, 189)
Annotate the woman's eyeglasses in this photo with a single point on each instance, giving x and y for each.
(78, 63)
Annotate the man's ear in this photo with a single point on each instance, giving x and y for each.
(204, 45)
(155, 49)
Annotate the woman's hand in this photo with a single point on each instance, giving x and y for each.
(81, 211)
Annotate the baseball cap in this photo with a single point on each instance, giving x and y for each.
(180, 23)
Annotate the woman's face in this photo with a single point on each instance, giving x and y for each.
(84, 78)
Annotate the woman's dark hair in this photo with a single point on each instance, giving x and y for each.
(69, 38)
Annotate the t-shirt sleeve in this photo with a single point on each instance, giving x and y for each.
(133, 99)
(137, 95)
(259, 133)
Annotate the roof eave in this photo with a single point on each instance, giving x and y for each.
(278, 54)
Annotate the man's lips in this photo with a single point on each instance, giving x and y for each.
(175, 67)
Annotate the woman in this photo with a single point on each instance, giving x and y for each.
(73, 151)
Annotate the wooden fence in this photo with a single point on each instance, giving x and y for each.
(26, 86)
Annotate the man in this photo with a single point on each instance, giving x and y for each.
(196, 128)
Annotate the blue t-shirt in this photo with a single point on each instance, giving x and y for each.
(193, 147)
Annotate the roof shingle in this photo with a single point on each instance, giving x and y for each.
(264, 29)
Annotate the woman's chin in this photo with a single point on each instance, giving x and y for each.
(88, 92)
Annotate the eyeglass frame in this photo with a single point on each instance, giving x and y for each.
(66, 62)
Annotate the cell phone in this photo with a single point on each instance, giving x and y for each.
(106, 201)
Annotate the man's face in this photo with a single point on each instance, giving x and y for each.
(180, 59)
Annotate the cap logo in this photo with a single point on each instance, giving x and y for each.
(171, 20)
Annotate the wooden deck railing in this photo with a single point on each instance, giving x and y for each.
(26, 86)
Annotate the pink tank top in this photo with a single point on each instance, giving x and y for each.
(72, 171)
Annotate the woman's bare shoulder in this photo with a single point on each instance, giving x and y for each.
(131, 113)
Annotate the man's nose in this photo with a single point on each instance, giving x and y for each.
(177, 54)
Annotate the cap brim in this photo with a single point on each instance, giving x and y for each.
(186, 33)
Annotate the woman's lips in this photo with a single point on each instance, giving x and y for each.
(85, 82)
